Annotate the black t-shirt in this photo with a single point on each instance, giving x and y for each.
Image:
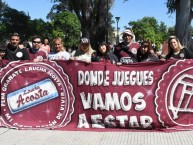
(17, 54)
(98, 57)
(184, 53)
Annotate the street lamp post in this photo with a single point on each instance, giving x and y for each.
(107, 33)
(117, 19)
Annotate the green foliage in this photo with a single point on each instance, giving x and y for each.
(3, 5)
(172, 5)
(171, 31)
(13, 21)
(93, 15)
(70, 18)
(39, 27)
(148, 28)
(67, 26)
(63, 24)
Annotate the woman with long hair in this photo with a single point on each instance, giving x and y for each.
(146, 53)
(176, 50)
(84, 51)
(103, 54)
(60, 50)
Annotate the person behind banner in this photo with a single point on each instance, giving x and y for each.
(45, 46)
(36, 54)
(176, 50)
(2, 50)
(60, 51)
(13, 52)
(84, 51)
(103, 54)
(126, 51)
(145, 53)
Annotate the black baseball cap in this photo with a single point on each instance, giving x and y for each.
(85, 40)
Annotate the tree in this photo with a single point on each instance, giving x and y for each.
(92, 15)
(14, 21)
(3, 6)
(62, 24)
(148, 28)
(67, 26)
(184, 16)
(38, 27)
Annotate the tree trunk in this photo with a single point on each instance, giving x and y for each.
(183, 22)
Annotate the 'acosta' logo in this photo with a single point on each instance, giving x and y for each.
(40, 89)
(174, 97)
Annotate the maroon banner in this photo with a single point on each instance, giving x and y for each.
(72, 95)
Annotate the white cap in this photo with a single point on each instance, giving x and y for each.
(129, 32)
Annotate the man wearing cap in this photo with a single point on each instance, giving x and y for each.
(126, 51)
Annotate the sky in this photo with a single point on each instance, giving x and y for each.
(131, 10)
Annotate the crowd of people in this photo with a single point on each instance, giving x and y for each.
(124, 52)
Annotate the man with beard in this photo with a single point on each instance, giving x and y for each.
(13, 52)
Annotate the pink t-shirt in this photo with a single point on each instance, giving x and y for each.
(45, 48)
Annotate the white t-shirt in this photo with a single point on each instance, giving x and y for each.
(83, 57)
(63, 55)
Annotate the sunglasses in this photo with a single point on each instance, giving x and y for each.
(15, 34)
(38, 42)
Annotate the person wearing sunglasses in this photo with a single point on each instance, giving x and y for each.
(84, 52)
(37, 54)
(13, 52)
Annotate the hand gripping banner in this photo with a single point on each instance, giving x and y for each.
(73, 95)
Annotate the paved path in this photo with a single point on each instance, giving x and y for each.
(56, 137)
